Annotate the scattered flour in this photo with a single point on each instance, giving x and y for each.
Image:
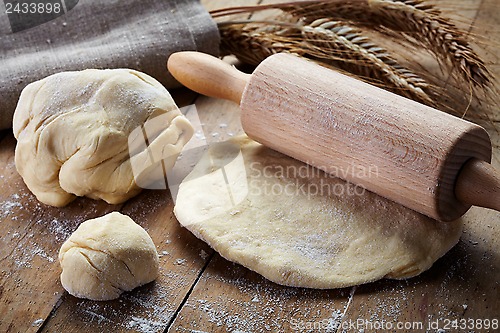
(180, 261)
(203, 255)
(10, 207)
(37, 322)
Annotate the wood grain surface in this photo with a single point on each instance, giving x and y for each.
(198, 291)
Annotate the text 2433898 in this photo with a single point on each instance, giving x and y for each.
(34, 7)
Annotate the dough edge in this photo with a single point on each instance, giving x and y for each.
(287, 272)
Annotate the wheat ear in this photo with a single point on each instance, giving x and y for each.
(416, 20)
(358, 55)
(331, 43)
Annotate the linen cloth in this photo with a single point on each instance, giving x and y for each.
(137, 34)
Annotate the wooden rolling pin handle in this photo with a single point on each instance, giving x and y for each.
(208, 75)
(478, 184)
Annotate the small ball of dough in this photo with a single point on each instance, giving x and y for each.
(107, 256)
(95, 133)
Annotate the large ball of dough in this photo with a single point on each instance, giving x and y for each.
(107, 256)
(82, 133)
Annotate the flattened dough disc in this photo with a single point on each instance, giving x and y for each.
(298, 226)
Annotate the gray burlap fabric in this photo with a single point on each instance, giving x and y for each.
(138, 34)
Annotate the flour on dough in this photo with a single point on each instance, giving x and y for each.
(83, 134)
(299, 227)
(107, 256)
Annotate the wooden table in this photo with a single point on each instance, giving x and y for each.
(198, 291)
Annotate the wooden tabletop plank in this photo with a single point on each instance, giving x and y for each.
(231, 298)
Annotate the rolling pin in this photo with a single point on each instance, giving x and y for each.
(417, 156)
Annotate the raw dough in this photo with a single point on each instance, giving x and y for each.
(298, 226)
(82, 134)
(107, 256)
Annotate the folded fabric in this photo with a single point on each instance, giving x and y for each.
(137, 34)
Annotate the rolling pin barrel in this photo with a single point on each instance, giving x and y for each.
(388, 144)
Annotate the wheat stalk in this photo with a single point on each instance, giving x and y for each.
(416, 20)
(254, 42)
(363, 57)
(438, 34)
(307, 6)
(335, 34)
(329, 42)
